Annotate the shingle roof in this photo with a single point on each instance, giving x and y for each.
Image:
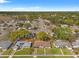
(61, 43)
(42, 44)
(23, 44)
(76, 43)
(5, 44)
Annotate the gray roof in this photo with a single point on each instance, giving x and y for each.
(22, 44)
(76, 43)
(61, 43)
(5, 44)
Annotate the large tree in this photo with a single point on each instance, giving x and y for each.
(18, 34)
(43, 36)
(64, 33)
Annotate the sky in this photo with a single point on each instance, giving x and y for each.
(39, 5)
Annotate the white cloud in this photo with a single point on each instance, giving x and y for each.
(37, 8)
(3, 1)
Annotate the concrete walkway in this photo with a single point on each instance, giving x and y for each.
(74, 54)
(13, 52)
(35, 51)
(61, 51)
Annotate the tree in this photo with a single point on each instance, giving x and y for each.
(27, 25)
(68, 21)
(64, 33)
(20, 24)
(18, 34)
(42, 36)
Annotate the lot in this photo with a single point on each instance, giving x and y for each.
(76, 50)
(24, 51)
(66, 51)
(39, 53)
(7, 52)
(0, 50)
(54, 56)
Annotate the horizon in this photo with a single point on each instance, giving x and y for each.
(39, 5)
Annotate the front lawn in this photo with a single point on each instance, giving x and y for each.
(25, 51)
(53, 50)
(0, 50)
(4, 56)
(66, 51)
(40, 50)
(76, 50)
(22, 57)
(54, 56)
(7, 52)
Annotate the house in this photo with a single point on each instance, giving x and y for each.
(74, 27)
(62, 43)
(22, 44)
(5, 44)
(42, 44)
(76, 44)
(77, 34)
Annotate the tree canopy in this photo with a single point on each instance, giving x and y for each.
(64, 33)
(42, 36)
(18, 34)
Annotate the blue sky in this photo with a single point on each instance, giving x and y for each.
(39, 5)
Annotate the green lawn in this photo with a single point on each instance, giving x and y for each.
(4, 56)
(76, 50)
(25, 51)
(22, 57)
(44, 57)
(49, 51)
(53, 50)
(40, 51)
(7, 52)
(66, 51)
(54, 56)
(0, 50)
(63, 57)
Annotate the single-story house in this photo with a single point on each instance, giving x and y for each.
(62, 43)
(22, 44)
(5, 44)
(74, 27)
(42, 44)
(76, 44)
(77, 34)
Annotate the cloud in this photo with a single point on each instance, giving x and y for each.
(26, 9)
(3, 1)
(37, 8)
(43, 9)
